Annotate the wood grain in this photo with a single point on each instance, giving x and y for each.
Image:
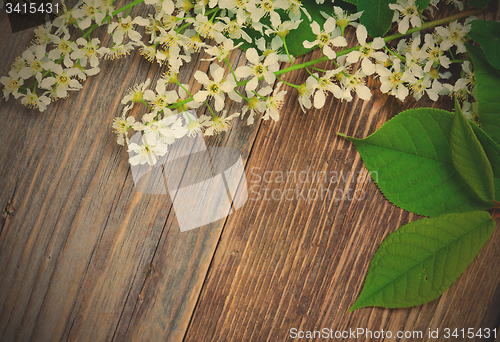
(84, 256)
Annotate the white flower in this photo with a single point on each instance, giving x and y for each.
(121, 125)
(167, 6)
(258, 69)
(64, 46)
(221, 51)
(90, 51)
(355, 82)
(458, 4)
(120, 50)
(43, 34)
(326, 38)
(470, 110)
(238, 7)
(306, 91)
(294, 8)
(434, 54)
(326, 84)
(414, 57)
(468, 81)
(207, 28)
(162, 99)
(262, 8)
(255, 104)
(172, 40)
(193, 124)
(11, 86)
(406, 12)
(367, 51)
(32, 100)
(34, 57)
(274, 104)
(183, 95)
(124, 27)
(82, 73)
(282, 29)
(215, 88)
(453, 35)
(136, 93)
(219, 124)
(393, 81)
(147, 152)
(165, 130)
(63, 81)
(235, 30)
(342, 18)
(426, 85)
(90, 10)
(274, 47)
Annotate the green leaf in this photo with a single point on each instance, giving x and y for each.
(295, 38)
(410, 160)
(469, 158)
(487, 86)
(492, 150)
(479, 3)
(487, 33)
(420, 260)
(354, 2)
(422, 4)
(377, 16)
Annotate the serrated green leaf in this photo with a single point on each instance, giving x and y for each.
(488, 91)
(377, 16)
(469, 158)
(411, 156)
(422, 4)
(295, 38)
(487, 33)
(420, 260)
(479, 3)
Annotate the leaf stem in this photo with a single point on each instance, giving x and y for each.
(286, 50)
(145, 103)
(291, 85)
(211, 111)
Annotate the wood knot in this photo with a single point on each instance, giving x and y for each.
(8, 210)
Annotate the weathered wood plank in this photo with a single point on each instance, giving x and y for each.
(84, 256)
(81, 235)
(93, 255)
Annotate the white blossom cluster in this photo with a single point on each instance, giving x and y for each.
(418, 65)
(180, 28)
(54, 63)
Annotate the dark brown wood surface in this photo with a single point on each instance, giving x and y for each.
(84, 256)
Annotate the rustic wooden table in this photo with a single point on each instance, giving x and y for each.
(84, 256)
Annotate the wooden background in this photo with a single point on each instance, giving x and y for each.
(86, 257)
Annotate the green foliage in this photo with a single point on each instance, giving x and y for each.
(420, 260)
(354, 2)
(377, 16)
(469, 158)
(492, 150)
(487, 33)
(422, 4)
(487, 86)
(412, 159)
(295, 38)
(479, 3)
